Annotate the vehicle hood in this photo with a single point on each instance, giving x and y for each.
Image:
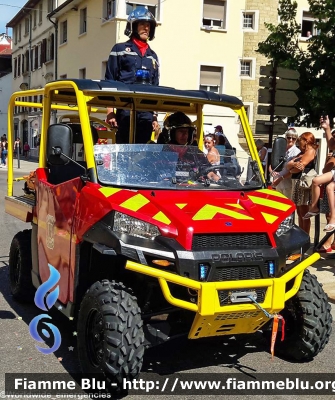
(184, 213)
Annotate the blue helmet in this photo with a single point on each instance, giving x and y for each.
(140, 14)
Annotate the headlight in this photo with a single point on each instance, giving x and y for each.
(132, 226)
(286, 225)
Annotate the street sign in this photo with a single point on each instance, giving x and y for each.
(263, 126)
(266, 70)
(264, 96)
(285, 98)
(284, 84)
(284, 73)
(278, 110)
(285, 111)
(279, 127)
(282, 97)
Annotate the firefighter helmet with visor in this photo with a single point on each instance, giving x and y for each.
(179, 120)
(140, 14)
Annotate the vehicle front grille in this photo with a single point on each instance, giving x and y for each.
(224, 296)
(231, 241)
(237, 273)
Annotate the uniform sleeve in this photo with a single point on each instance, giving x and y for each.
(155, 80)
(112, 67)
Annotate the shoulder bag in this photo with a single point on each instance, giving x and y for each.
(306, 178)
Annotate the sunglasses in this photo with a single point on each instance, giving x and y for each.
(290, 138)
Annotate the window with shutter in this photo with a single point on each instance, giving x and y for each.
(211, 78)
(214, 13)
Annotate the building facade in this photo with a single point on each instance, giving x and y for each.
(201, 44)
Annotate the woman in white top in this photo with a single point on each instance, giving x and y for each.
(213, 156)
(282, 180)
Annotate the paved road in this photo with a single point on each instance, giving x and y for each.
(244, 354)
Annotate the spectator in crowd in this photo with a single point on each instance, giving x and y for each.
(262, 152)
(282, 180)
(219, 132)
(325, 183)
(26, 150)
(304, 162)
(17, 147)
(213, 155)
(221, 148)
(156, 129)
(4, 150)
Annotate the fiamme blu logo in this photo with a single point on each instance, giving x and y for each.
(40, 328)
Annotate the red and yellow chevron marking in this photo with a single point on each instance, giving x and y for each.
(270, 204)
(277, 205)
(269, 218)
(135, 203)
(161, 217)
(106, 191)
(208, 212)
(272, 193)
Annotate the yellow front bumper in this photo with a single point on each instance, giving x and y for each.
(211, 318)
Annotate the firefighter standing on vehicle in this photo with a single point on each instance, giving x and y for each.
(134, 62)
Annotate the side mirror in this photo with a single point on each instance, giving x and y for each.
(59, 144)
(278, 153)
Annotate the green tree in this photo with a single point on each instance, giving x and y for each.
(316, 65)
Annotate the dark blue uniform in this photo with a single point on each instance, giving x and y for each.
(123, 62)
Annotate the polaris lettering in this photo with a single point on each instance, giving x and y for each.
(237, 257)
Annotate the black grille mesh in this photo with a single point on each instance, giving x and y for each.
(237, 273)
(238, 241)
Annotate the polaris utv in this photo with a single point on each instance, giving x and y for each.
(152, 241)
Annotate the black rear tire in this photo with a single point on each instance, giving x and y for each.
(20, 267)
(308, 322)
(110, 333)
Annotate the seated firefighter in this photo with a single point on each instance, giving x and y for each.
(178, 130)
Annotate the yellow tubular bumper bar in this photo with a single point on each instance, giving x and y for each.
(208, 300)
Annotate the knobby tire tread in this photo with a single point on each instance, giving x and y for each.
(312, 321)
(123, 331)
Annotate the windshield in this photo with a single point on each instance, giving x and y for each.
(167, 166)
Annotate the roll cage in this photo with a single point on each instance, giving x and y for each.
(87, 100)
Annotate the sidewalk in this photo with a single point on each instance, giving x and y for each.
(324, 269)
(26, 166)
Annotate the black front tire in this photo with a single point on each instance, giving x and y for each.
(110, 332)
(20, 267)
(308, 322)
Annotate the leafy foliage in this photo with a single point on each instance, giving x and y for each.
(316, 64)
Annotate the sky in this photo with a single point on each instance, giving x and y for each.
(8, 9)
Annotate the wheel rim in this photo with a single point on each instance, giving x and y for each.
(95, 337)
